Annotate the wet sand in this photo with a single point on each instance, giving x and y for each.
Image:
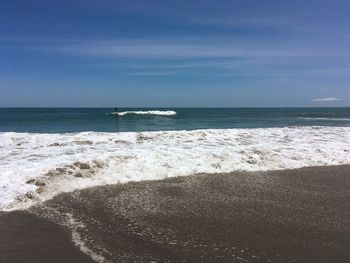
(300, 215)
(26, 238)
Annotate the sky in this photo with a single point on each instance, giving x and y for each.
(234, 53)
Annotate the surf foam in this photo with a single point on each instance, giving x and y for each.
(324, 119)
(152, 112)
(35, 167)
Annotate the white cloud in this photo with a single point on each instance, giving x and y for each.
(328, 99)
(173, 47)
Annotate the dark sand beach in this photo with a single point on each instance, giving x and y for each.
(300, 215)
(28, 238)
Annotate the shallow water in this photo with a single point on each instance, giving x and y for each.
(37, 166)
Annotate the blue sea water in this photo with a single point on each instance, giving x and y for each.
(57, 120)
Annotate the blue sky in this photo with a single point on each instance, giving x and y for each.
(174, 53)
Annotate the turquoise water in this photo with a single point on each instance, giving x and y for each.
(53, 120)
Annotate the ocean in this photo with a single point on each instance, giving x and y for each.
(46, 151)
(58, 120)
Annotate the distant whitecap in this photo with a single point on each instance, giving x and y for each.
(151, 112)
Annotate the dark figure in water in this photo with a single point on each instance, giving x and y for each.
(116, 109)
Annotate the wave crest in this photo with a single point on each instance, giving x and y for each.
(151, 112)
(324, 119)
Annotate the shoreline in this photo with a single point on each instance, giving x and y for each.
(299, 215)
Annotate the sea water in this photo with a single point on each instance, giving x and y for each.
(54, 120)
(47, 151)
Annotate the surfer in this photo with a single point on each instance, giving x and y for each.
(116, 112)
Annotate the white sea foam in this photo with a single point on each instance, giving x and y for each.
(324, 119)
(29, 162)
(81, 242)
(151, 112)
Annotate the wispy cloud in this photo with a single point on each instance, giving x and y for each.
(219, 56)
(336, 71)
(328, 99)
(174, 50)
(180, 47)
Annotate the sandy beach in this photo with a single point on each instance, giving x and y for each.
(300, 215)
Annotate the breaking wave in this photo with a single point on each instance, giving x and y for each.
(35, 167)
(151, 112)
(324, 119)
